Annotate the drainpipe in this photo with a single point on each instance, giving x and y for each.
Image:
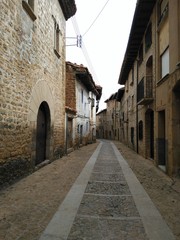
(137, 130)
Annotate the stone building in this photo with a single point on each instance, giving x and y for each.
(32, 69)
(151, 75)
(112, 117)
(82, 99)
(109, 120)
(101, 121)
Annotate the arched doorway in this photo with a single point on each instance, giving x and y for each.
(42, 133)
(149, 133)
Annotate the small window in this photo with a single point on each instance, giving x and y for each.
(163, 10)
(29, 7)
(56, 38)
(82, 96)
(165, 63)
(148, 37)
(31, 4)
(163, 6)
(140, 130)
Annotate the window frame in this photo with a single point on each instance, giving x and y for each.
(165, 54)
(162, 10)
(57, 39)
(29, 7)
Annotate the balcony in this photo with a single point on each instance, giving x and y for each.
(145, 91)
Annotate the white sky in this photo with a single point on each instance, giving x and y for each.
(104, 45)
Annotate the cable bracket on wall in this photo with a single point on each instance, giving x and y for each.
(78, 41)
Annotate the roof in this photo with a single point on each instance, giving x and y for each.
(112, 97)
(68, 7)
(83, 74)
(102, 111)
(141, 18)
(120, 94)
(99, 89)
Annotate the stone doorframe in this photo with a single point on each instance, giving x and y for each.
(41, 92)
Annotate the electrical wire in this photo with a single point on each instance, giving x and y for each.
(86, 55)
(95, 18)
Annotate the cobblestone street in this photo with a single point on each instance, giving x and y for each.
(89, 194)
(107, 210)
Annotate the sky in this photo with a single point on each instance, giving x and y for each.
(104, 26)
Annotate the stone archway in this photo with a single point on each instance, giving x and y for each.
(42, 133)
(41, 103)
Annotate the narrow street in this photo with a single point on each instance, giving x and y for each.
(90, 194)
(111, 205)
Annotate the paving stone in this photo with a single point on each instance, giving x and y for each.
(106, 229)
(108, 206)
(107, 164)
(112, 177)
(107, 169)
(108, 188)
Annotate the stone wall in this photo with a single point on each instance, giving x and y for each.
(30, 73)
(70, 87)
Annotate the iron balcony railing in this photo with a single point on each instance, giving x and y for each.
(145, 90)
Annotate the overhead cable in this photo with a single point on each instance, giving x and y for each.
(95, 19)
(85, 52)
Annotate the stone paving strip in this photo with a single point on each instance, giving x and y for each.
(107, 203)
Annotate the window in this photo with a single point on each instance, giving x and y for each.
(56, 38)
(82, 96)
(29, 7)
(31, 4)
(148, 37)
(163, 10)
(140, 130)
(163, 6)
(165, 63)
